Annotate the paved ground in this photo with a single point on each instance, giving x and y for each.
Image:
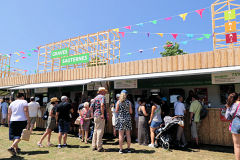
(80, 150)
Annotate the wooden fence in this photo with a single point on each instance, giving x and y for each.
(213, 59)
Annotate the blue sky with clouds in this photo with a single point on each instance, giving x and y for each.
(27, 24)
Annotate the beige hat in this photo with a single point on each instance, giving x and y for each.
(54, 99)
(100, 89)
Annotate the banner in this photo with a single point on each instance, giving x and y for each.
(123, 84)
(226, 77)
(76, 59)
(60, 53)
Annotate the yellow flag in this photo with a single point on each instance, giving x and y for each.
(160, 34)
(17, 60)
(154, 49)
(183, 16)
(17, 53)
(116, 29)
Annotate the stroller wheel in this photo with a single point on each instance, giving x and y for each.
(166, 145)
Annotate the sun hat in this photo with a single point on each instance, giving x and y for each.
(54, 99)
(164, 99)
(124, 91)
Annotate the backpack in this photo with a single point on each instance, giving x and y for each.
(45, 115)
(203, 113)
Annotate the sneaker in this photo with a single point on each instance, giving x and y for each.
(151, 145)
(59, 146)
(121, 151)
(64, 146)
(129, 150)
(12, 151)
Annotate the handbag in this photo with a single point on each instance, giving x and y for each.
(25, 135)
(45, 115)
(78, 121)
(222, 115)
(230, 125)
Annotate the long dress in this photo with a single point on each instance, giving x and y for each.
(86, 123)
(142, 129)
(124, 121)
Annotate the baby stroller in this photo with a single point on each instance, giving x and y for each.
(166, 135)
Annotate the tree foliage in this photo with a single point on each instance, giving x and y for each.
(172, 50)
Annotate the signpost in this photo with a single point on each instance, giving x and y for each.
(226, 77)
(231, 27)
(76, 59)
(60, 53)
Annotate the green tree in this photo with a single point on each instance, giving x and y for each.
(172, 50)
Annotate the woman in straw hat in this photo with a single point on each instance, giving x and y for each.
(51, 122)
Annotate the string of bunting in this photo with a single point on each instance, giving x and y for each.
(170, 45)
(183, 16)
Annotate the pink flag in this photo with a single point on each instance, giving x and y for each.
(200, 11)
(35, 50)
(22, 52)
(128, 27)
(174, 35)
(122, 33)
(169, 18)
(24, 57)
(169, 45)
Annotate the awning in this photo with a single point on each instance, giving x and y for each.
(7, 87)
(53, 84)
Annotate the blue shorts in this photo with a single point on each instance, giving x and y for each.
(155, 124)
(235, 126)
(63, 126)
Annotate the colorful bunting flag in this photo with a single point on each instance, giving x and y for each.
(140, 24)
(184, 42)
(174, 35)
(154, 21)
(154, 48)
(160, 34)
(35, 50)
(22, 52)
(207, 35)
(169, 45)
(168, 18)
(116, 30)
(135, 32)
(17, 60)
(122, 33)
(148, 34)
(140, 50)
(129, 53)
(29, 54)
(128, 27)
(199, 39)
(190, 35)
(183, 16)
(200, 11)
(24, 57)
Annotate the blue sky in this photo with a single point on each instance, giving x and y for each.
(27, 24)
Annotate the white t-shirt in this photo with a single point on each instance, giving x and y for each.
(17, 108)
(179, 108)
(33, 108)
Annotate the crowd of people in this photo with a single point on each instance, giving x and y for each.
(143, 115)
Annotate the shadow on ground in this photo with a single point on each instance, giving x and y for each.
(133, 150)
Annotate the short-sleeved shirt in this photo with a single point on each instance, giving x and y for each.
(53, 109)
(195, 108)
(33, 108)
(179, 108)
(17, 108)
(96, 105)
(63, 109)
(4, 108)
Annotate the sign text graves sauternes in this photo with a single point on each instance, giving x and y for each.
(76, 59)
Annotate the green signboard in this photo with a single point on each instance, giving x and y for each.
(230, 14)
(60, 53)
(76, 59)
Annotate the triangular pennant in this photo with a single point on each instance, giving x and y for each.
(35, 50)
(154, 48)
(168, 18)
(160, 34)
(183, 16)
(140, 24)
(22, 52)
(200, 11)
(184, 42)
(135, 32)
(17, 60)
(29, 54)
(128, 27)
(207, 35)
(129, 53)
(169, 45)
(154, 21)
(122, 33)
(17, 53)
(199, 39)
(148, 34)
(24, 57)
(140, 50)
(174, 35)
(190, 35)
(116, 29)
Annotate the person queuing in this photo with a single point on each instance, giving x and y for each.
(233, 113)
(137, 104)
(4, 110)
(195, 109)
(64, 109)
(165, 107)
(142, 124)
(51, 122)
(123, 121)
(33, 108)
(18, 119)
(155, 120)
(179, 110)
(114, 115)
(98, 106)
(87, 115)
(80, 107)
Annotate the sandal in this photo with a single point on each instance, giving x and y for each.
(40, 145)
(50, 145)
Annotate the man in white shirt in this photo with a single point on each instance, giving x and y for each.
(33, 108)
(179, 110)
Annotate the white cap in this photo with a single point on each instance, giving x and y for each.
(117, 95)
